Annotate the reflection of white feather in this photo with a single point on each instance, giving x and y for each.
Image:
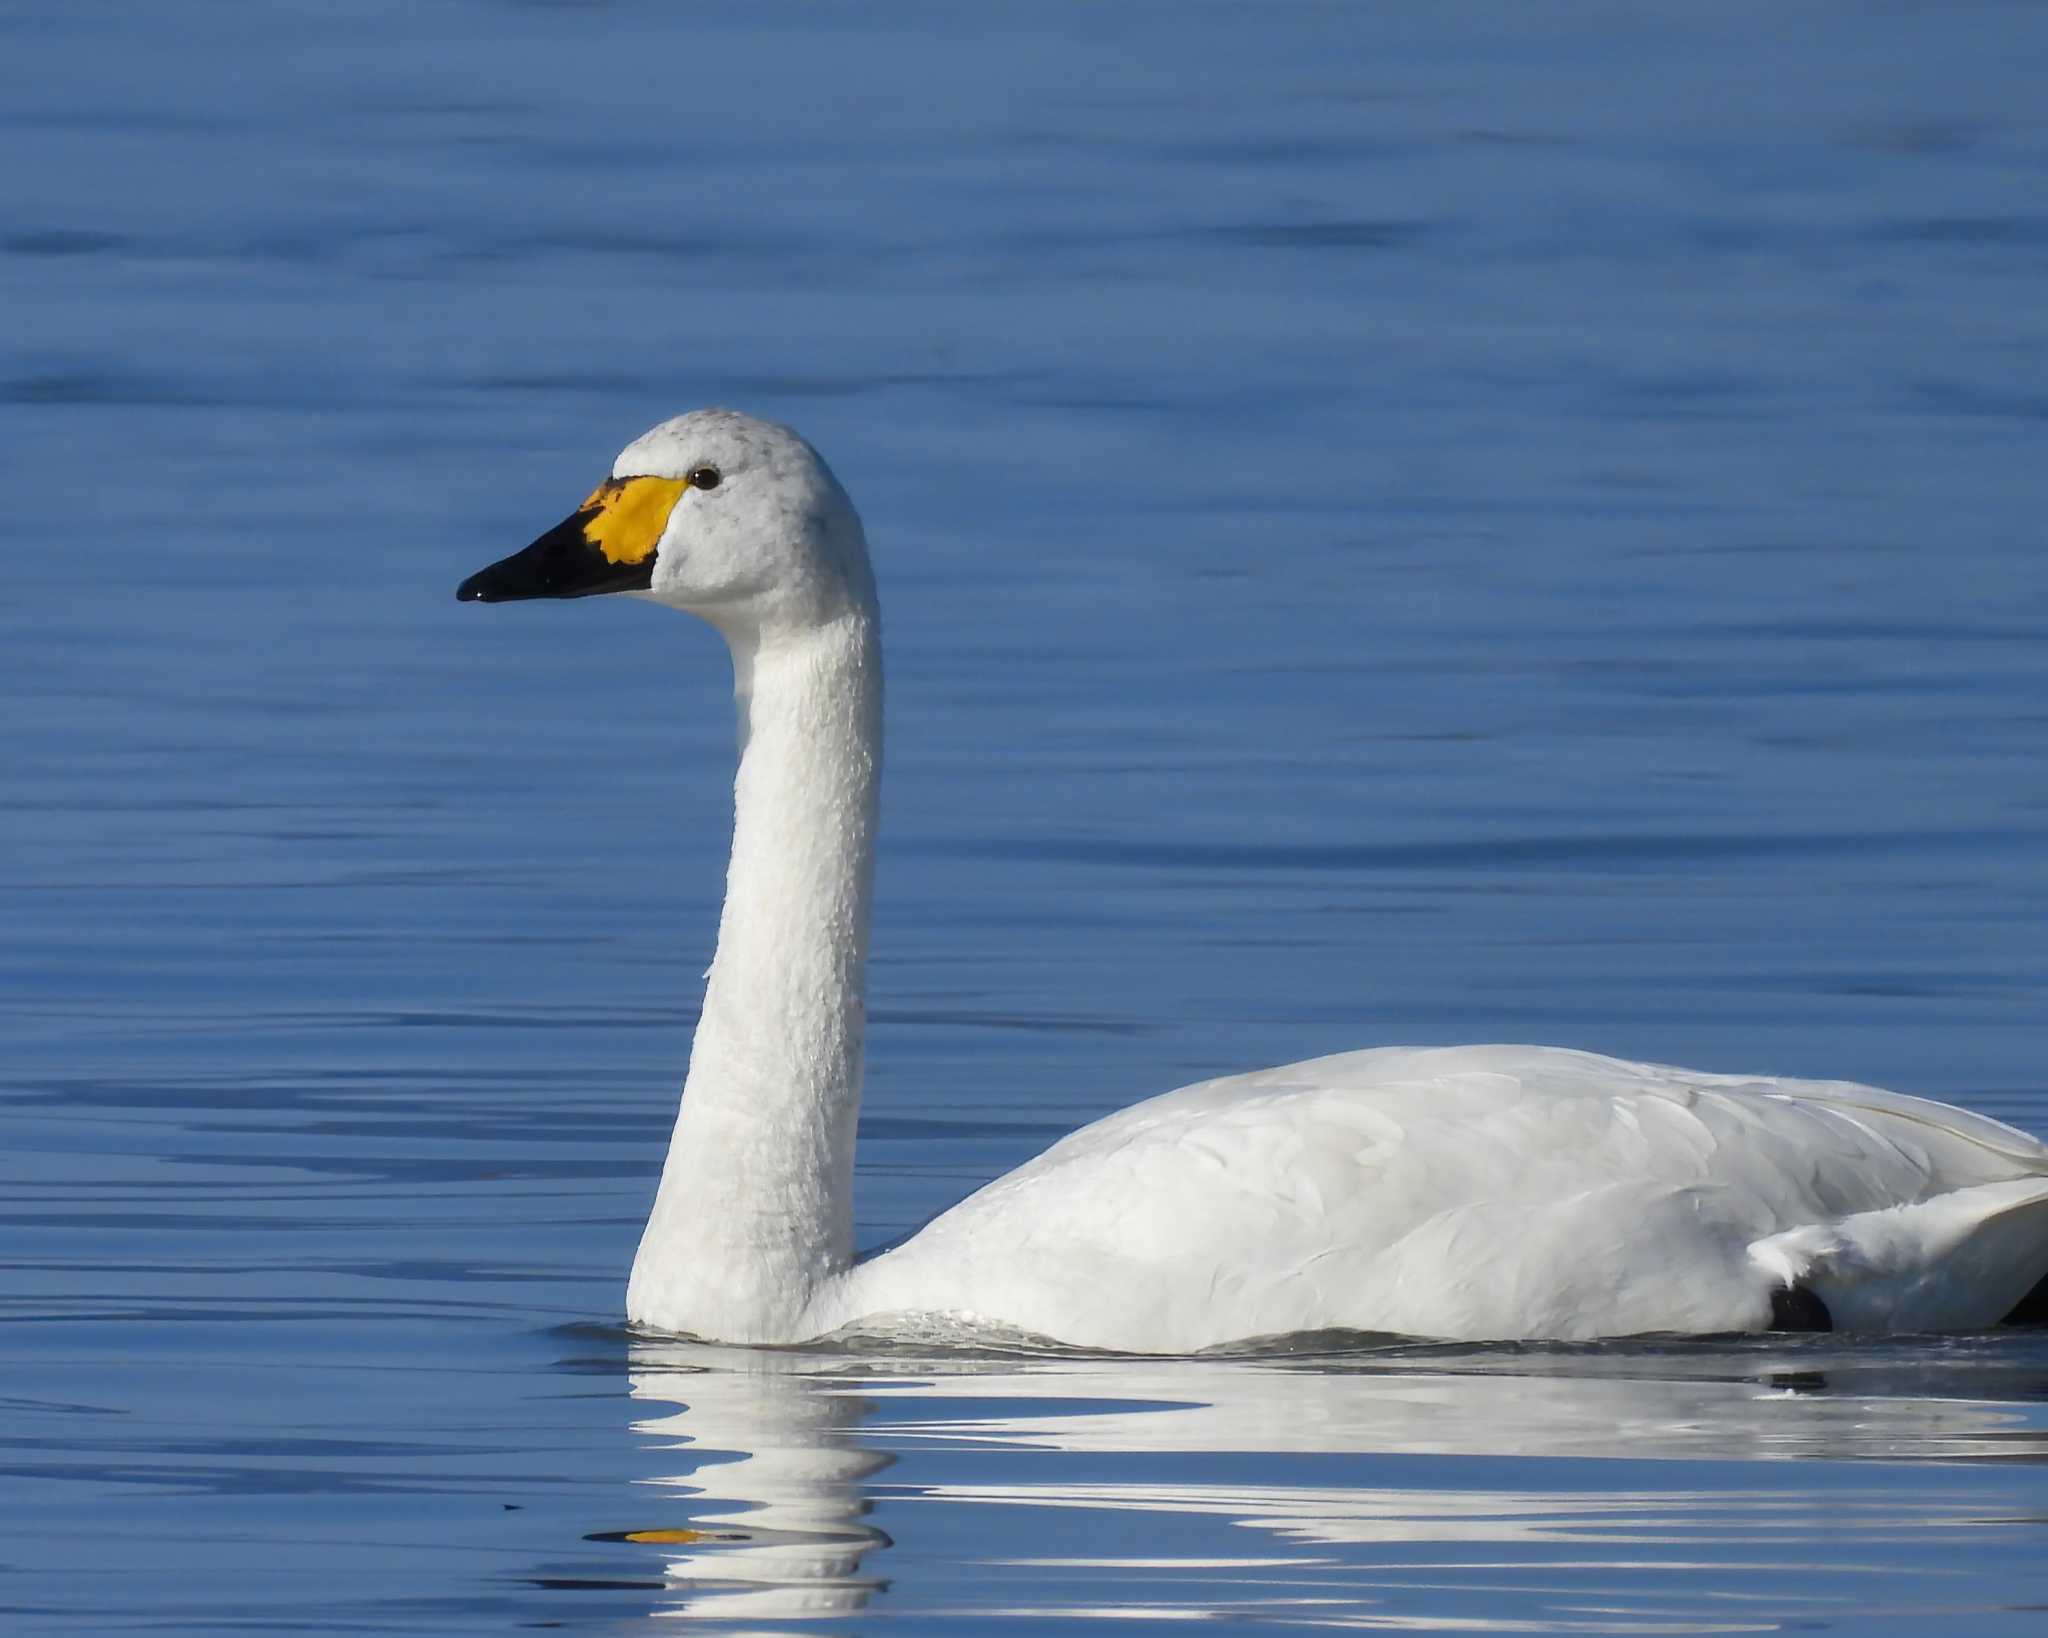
(1725, 1402)
(1596, 1454)
(774, 1492)
(1504, 1192)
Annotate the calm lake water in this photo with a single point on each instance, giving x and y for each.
(1479, 523)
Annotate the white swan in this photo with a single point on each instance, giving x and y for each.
(1466, 1192)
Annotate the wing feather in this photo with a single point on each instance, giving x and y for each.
(1462, 1192)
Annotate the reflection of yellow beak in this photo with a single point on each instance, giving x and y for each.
(608, 546)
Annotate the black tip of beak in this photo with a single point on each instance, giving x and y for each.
(507, 581)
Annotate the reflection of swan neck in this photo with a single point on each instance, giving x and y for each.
(756, 1201)
(775, 1497)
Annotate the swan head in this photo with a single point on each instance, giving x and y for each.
(733, 519)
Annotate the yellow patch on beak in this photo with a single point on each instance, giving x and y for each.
(666, 1538)
(624, 517)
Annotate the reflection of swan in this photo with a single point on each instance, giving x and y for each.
(1472, 1192)
(1569, 1465)
(775, 1504)
(1706, 1401)
(1711, 1406)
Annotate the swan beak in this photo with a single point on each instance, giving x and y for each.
(607, 545)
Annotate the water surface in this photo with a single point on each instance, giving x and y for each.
(1477, 524)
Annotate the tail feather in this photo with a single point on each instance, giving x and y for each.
(1962, 1261)
(2032, 1309)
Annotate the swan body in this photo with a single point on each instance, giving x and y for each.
(1509, 1192)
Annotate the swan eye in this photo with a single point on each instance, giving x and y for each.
(704, 477)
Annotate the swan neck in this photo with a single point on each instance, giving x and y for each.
(755, 1209)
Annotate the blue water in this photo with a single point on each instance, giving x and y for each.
(1475, 523)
